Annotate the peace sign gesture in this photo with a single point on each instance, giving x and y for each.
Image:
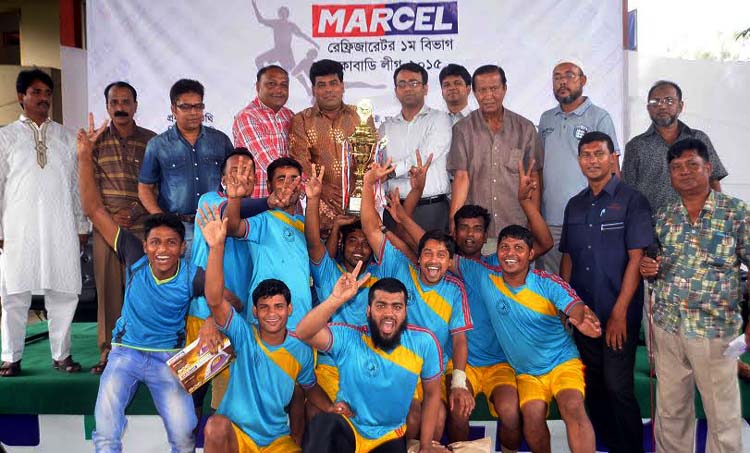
(348, 285)
(241, 183)
(418, 173)
(314, 185)
(378, 171)
(526, 184)
(87, 138)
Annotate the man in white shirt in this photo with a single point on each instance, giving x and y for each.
(41, 224)
(418, 127)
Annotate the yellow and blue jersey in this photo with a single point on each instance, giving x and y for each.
(366, 371)
(262, 380)
(279, 251)
(442, 308)
(236, 259)
(153, 310)
(525, 319)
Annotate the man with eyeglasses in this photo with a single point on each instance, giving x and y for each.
(560, 130)
(418, 128)
(455, 83)
(645, 166)
(485, 152)
(184, 162)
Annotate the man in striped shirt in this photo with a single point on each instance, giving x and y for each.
(118, 154)
(263, 126)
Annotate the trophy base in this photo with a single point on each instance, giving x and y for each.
(355, 206)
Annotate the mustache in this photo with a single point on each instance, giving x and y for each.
(121, 113)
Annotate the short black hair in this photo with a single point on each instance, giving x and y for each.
(346, 230)
(455, 70)
(688, 144)
(326, 67)
(164, 219)
(120, 84)
(183, 86)
(411, 67)
(29, 76)
(488, 69)
(240, 151)
(472, 211)
(596, 136)
(516, 232)
(282, 162)
(661, 83)
(440, 236)
(271, 287)
(388, 285)
(265, 69)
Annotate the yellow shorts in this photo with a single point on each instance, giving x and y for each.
(283, 444)
(328, 380)
(219, 382)
(419, 394)
(485, 379)
(566, 376)
(365, 445)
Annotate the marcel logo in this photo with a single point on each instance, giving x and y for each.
(428, 18)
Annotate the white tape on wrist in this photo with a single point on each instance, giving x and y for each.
(458, 380)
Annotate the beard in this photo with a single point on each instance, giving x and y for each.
(664, 122)
(386, 344)
(569, 99)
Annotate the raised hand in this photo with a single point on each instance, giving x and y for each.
(344, 219)
(394, 207)
(418, 173)
(526, 184)
(378, 171)
(348, 285)
(213, 227)
(282, 197)
(590, 325)
(87, 138)
(241, 183)
(314, 185)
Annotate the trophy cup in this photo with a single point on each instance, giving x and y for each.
(360, 147)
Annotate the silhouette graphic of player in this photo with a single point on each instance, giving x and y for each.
(283, 30)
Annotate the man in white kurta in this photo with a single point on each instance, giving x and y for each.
(40, 223)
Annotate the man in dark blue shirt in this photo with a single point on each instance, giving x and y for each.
(605, 229)
(184, 162)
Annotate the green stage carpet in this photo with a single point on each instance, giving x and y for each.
(42, 390)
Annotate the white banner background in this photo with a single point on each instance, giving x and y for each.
(151, 44)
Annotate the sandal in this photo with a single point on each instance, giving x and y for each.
(67, 365)
(99, 367)
(10, 369)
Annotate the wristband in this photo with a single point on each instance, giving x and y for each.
(458, 380)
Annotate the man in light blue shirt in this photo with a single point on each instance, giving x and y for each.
(560, 129)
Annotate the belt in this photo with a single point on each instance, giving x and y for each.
(187, 218)
(432, 200)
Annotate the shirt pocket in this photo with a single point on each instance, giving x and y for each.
(510, 159)
(721, 249)
(210, 169)
(175, 171)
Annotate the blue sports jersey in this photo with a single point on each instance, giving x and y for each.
(525, 319)
(366, 372)
(236, 259)
(262, 380)
(442, 308)
(279, 251)
(153, 311)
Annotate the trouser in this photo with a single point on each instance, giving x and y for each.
(110, 282)
(683, 363)
(15, 313)
(551, 260)
(189, 226)
(610, 396)
(127, 368)
(330, 433)
(428, 216)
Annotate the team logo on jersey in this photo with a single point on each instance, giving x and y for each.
(288, 234)
(371, 368)
(503, 307)
(580, 131)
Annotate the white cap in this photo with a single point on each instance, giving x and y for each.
(574, 61)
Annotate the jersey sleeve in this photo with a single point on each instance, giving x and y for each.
(255, 229)
(324, 274)
(460, 320)
(306, 376)
(559, 292)
(237, 330)
(432, 356)
(128, 247)
(342, 337)
(150, 170)
(391, 261)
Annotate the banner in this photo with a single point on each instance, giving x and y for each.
(223, 44)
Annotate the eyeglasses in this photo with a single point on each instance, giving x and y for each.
(409, 83)
(661, 101)
(568, 77)
(188, 107)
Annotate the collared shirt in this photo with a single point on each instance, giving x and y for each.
(698, 287)
(645, 164)
(183, 171)
(266, 134)
(430, 133)
(492, 162)
(316, 139)
(597, 233)
(560, 133)
(117, 163)
(458, 116)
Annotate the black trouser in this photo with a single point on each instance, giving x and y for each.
(330, 433)
(610, 397)
(432, 216)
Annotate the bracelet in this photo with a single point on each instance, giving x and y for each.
(458, 380)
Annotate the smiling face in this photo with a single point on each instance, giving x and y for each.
(514, 256)
(356, 248)
(273, 88)
(328, 91)
(272, 313)
(596, 161)
(386, 317)
(689, 173)
(434, 261)
(470, 236)
(163, 246)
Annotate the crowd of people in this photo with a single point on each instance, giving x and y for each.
(509, 260)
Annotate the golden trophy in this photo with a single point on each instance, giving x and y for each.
(360, 150)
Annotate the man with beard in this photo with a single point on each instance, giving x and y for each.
(438, 301)
(41, 224)
(645, 166)
(560, 129)
(118, 154)
(386, 358)
(455, 85)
